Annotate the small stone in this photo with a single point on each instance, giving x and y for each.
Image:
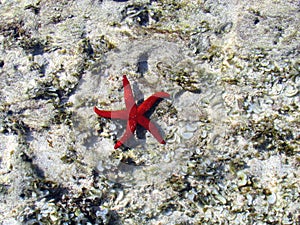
(242, 178)
(271, 198)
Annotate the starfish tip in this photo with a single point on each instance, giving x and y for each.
(126, 82)
(117, 145)
(162, 95)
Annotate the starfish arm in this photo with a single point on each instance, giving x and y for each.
(149, 102)
(130, 128)
(128, 96)
(118, 114)
(147, 124)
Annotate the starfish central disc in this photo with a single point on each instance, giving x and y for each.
(134, 114)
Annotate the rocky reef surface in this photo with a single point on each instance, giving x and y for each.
(232, 125)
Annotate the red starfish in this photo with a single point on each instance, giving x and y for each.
(134, 114)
